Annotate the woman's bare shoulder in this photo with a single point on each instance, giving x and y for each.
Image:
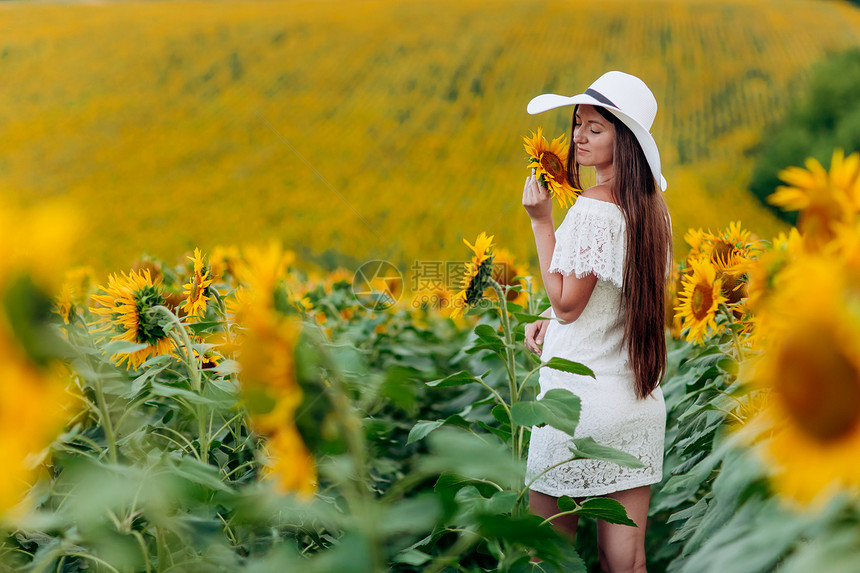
(599, 192)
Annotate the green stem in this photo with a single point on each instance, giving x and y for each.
(498, 396)
(731, 317)
(222, 310)
(203, 435)
(180, 336)
(526, 379)
(143, 550)
(193, 364)
(358, 493)
(101, 403)
(104, 416)
(537, 477)
(510, 363)
(94, 558)
(561, 514)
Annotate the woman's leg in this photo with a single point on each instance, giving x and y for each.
(621, 547)
(546, 506)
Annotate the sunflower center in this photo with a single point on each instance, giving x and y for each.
(552, 164)
(819, 384)
(701, 301)
(723, 253)
(734, 288)
(149, 328)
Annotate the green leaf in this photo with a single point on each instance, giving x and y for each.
(122, 347)
(566, 365)
(756, 538)
(504, 435)
(227, 367)
(558, 408)
(604, 508)
(451, 482)
(200, 473)
(587, 448)
(496, 347)
(400, 386)
(500, 414)
(487, 332)
(173, 392)
(567, 503)
(411, 515)
(421, 429)
(728, 365)
(526, 318)
(692, 517)
(502, 502)
(524, 529)
(460, 378)
(528, 413)
(412, 557)
(461, 452)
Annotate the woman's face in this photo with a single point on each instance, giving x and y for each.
(593, 138)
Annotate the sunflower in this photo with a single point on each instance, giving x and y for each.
(74, 292)
(549, 159)
(824, 199)
(731, 248)
(337, 276)
(127, 307)
(506, 272)
(699, 300)
(699, 243)
(477, 275)
(38, 240)
(63, 303)
(266, 356)
(731, 253)
(433, 298)
(764, 270)
(197, 287)
(290, 465)
(384, 292)
(811, 366)
(32, 413)
(846, 245)
(264, 268)
(223, 262)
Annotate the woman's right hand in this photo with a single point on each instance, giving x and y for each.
(535, 332)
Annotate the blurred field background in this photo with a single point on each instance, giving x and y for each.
(373, 129)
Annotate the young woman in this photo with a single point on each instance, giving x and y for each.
(604, 270)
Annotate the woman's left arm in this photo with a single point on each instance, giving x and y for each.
(568, 294)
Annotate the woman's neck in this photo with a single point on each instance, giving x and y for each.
(603, 176)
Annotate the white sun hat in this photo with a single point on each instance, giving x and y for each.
(627, 98)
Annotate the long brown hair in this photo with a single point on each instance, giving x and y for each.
(649, 252)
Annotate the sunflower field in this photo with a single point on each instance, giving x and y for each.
(244, 398)
(233, 413)
(336, 126)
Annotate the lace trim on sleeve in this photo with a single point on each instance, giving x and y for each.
(591, 239)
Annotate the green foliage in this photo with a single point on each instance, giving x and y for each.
(419, 431)
(825, 115)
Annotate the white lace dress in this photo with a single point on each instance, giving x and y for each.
(591, 239)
